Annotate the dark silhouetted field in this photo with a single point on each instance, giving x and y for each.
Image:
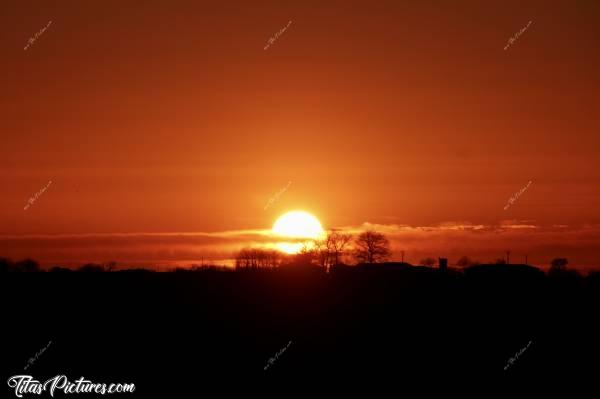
(371, 325)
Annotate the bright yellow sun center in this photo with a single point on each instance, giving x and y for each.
(296, 224)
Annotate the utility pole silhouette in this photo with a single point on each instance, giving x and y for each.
(402, 252)
(526, 260)
(508, 257)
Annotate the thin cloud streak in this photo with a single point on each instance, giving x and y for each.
(449, 239)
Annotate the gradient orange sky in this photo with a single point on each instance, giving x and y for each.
(165, 127)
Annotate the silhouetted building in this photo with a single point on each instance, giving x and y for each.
(443, 263)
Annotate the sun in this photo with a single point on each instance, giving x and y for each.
(298, 224)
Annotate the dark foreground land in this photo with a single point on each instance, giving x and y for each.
(190, 331)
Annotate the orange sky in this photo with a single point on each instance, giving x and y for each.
(170, 117)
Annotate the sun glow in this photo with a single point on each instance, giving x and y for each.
(289, 247)
(298, 225)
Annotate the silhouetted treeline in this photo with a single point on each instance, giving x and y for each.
(270, 260)
(26, 265)
(331, 250)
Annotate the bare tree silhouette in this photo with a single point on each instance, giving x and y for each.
(329, 251)
(255, 258)
(372, 247)
(321, 254)
(336, 244)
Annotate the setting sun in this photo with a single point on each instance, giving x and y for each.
(296, 224)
